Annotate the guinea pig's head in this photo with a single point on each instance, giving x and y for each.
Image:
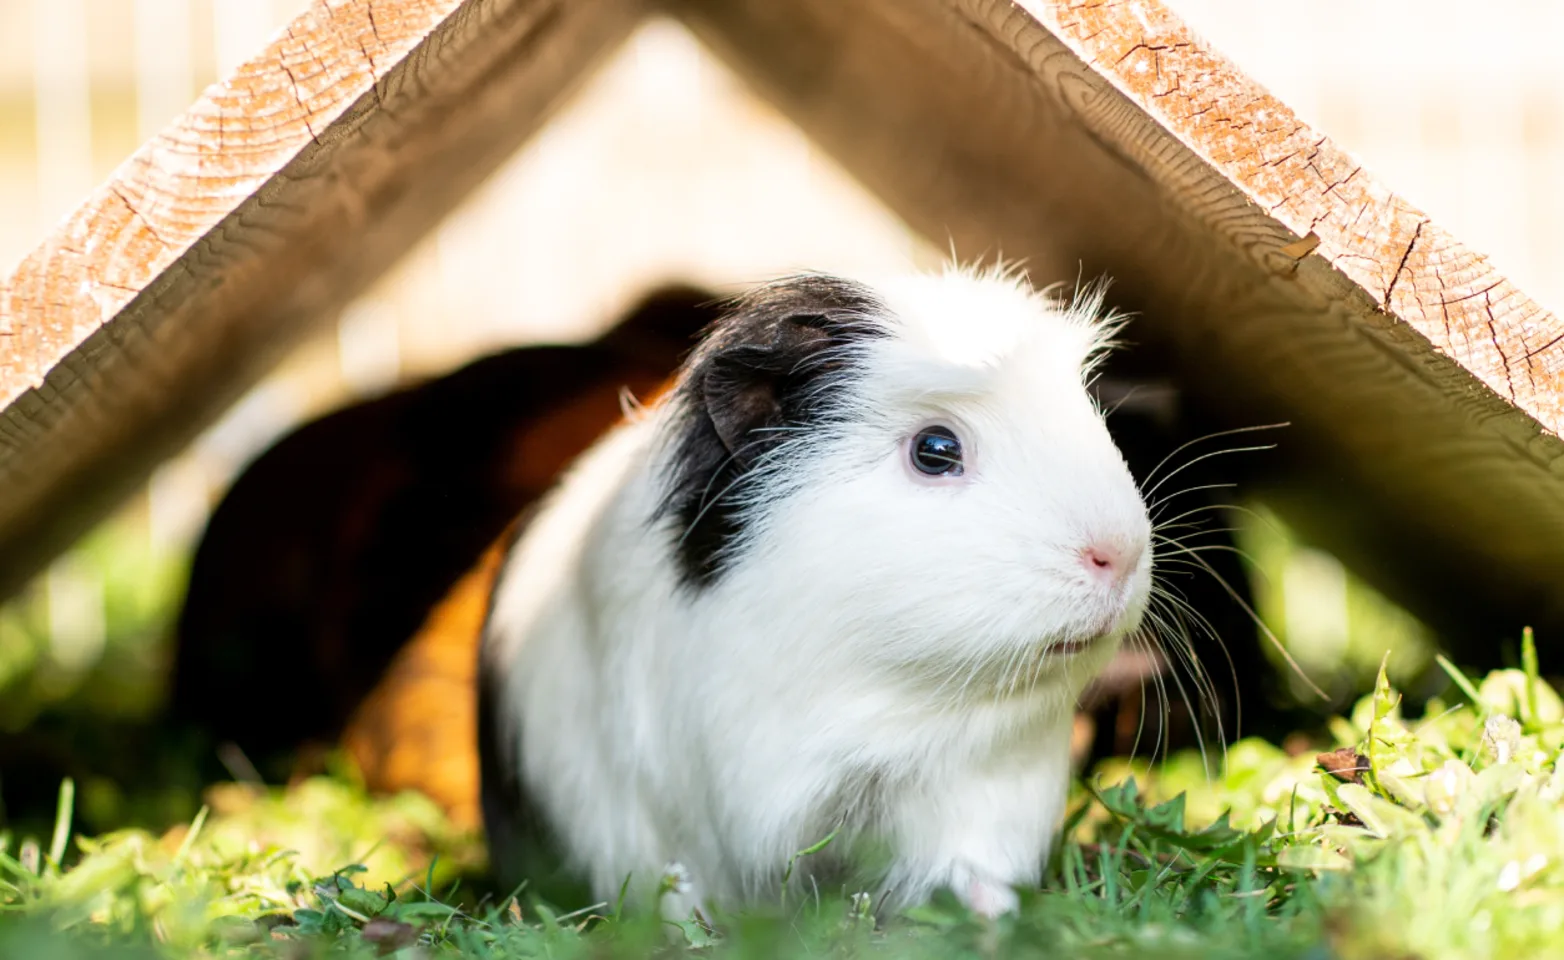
(914, 473)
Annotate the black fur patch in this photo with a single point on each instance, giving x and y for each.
(522, 844)
(771, 362)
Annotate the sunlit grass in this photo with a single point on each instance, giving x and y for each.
(1437, 837)
(1334, 625)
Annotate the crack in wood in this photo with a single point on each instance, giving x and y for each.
(1402, 266)
(298, 98)
(1493, 333)
(124, 198)
(1532, 353)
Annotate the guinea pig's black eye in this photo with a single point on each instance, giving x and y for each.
(936, 452)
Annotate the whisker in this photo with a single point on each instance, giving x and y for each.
(1204, 456)
(1164, 704)
(1218, 547)
(1280, 647)
(1162, 701)
(1128, 394)
(1180, 638)
(1203, 686)
(1181, 567)
(1170, 595)
(1138, 637)
(1195, 528)
(1194, 718)
(707, 504)
(1222, 506)
(1179, 543)
(1161, 503)
(1172, 598)
(940, 456)
(1210, 436)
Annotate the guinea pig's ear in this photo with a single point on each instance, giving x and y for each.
(745, 387)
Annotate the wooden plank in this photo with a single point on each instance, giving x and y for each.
(281, 193)
(1276, 277)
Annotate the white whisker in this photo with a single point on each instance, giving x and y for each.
(1210, 436)
(1204, 456)
(1275, 641)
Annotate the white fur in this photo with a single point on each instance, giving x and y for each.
(877, 658)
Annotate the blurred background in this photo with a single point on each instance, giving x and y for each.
(664, 167)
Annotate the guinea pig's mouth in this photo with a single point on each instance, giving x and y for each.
(1090, 636)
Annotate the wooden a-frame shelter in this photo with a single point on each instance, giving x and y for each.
(1275, 278)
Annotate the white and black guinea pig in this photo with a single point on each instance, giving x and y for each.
(849, 575)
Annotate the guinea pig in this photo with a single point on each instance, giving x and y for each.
(846, 579)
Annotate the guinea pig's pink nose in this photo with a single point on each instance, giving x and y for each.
(1110, 562)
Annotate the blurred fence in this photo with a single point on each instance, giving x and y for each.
(665, 167)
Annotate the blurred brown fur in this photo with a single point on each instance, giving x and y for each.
(418, 728)
(338, 573)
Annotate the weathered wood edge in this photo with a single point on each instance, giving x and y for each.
(70, 285)
(280, 193)
(1410, 266)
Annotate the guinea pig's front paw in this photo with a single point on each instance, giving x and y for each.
(983, 894)
(990, 899)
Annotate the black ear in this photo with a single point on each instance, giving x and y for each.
(770, 367)
(745, 388)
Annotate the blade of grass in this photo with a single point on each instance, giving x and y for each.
(62, 822)
(813, 848)
(190, 835)
(1529, 665)
(1459, 678)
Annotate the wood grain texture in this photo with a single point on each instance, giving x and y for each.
(1275, 277)
(275, 198)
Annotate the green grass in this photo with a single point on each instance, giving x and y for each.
(1440, 837)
